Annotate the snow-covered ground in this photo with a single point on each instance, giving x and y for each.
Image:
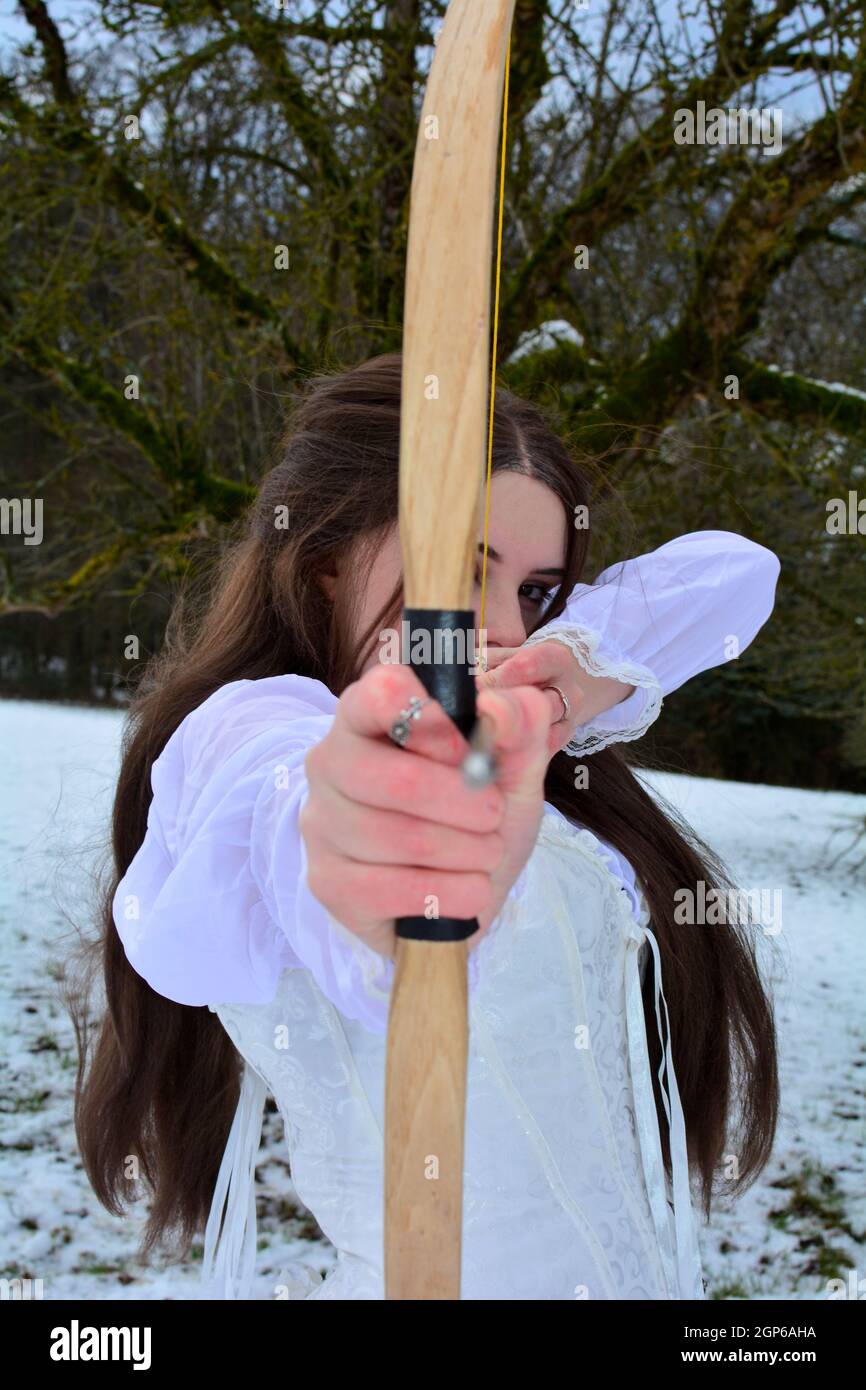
(802, 1224)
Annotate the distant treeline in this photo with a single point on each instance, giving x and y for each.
(704, 728)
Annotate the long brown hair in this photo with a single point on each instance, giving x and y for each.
(163, 1078)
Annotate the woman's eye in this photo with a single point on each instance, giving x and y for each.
(535, 594)
(538, 592)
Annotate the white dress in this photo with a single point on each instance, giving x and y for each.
(564, 1189)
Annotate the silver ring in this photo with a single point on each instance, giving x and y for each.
(401, 728)
(565, 704)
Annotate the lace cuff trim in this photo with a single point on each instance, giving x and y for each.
(606, 728)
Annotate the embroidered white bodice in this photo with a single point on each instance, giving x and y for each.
(565, 1195)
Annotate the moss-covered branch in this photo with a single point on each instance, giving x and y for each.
(799, 399)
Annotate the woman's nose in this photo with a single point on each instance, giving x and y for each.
(503, 620)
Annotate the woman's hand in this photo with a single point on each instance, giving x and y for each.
(394, 832)
(551, 663)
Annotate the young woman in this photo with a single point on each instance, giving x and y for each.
(267, 831)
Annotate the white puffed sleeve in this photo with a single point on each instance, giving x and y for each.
(655, 621)
(216, 904)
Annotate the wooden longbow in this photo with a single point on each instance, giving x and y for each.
(444, 417)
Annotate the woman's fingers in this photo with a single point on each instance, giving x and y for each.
(374, 836)
(398, 891)
(544, 665)
(494, 657)
(422, 779)
(520, 724)
(372, 705)
(531, 665)
(391, 778)
(374, 773)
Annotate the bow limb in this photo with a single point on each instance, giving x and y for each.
(444, 405)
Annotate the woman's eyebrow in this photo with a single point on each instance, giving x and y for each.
(552, 571)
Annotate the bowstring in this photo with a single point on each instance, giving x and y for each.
(495, 331)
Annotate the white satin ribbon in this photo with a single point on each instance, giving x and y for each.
(228, 1264)
(679, 1248)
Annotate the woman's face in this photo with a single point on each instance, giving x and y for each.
(526, 549)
